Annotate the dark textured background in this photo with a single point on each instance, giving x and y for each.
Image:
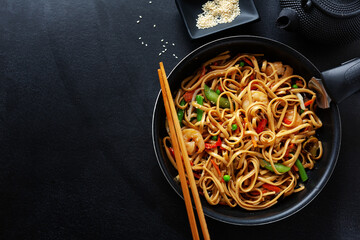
(76, 99)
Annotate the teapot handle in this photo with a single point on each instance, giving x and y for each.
(343, 81)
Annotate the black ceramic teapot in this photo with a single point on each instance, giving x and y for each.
(329, 21)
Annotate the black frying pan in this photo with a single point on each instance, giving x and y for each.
(340, 82)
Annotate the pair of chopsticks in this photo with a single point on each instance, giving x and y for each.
(182, 159)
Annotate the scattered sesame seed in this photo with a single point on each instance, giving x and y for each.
(173, 44)
(164, 46)
(139, 38)
(159, 54)
(154, 25)
(162, 40)
(142, 42)
(150, 2)
(174, 54)
(145, 44)
(167, 42)
(137, 21)
(140, 16)
(163, 51)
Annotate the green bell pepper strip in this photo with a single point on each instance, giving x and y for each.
(212, 96)
(180, 112)
(302, 171)
(279, 167)
(199, 100)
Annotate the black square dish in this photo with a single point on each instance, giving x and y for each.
(190, 9)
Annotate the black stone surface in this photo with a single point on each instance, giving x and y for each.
(77, 93)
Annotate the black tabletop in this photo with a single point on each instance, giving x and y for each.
(78, 87)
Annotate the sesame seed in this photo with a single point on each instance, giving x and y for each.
(139, 38)
(154, 25)
(173, 44)
(140, 16)
(150, 2)
(137, 21)
(159, 54)
(162, 40)
(142, 42)
(145, 44)
(167, 42)
(165, 49)
(164, 46)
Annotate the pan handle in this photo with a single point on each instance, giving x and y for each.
(342, 81)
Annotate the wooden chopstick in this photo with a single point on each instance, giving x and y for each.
(179, 147)
(179, 163)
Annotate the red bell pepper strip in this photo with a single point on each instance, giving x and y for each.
(289, 149)
(271, 187)
(173, 155)
(295, 168)
(217, 144)
(248, 62)
(287, 121)
(203, 72)
(172, 152)
(261, 126)
(220, 88)
(188, 96)
(237, 131)
(256, 193)
(216, 167)
(309, 102)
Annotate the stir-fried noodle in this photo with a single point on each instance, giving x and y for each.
(248, 126)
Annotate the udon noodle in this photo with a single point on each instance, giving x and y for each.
(249, 126)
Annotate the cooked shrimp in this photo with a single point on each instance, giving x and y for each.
(256, 96)
(281, 70)
(288, 71)
(193, 139)
(289, 115)
(278, 68)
